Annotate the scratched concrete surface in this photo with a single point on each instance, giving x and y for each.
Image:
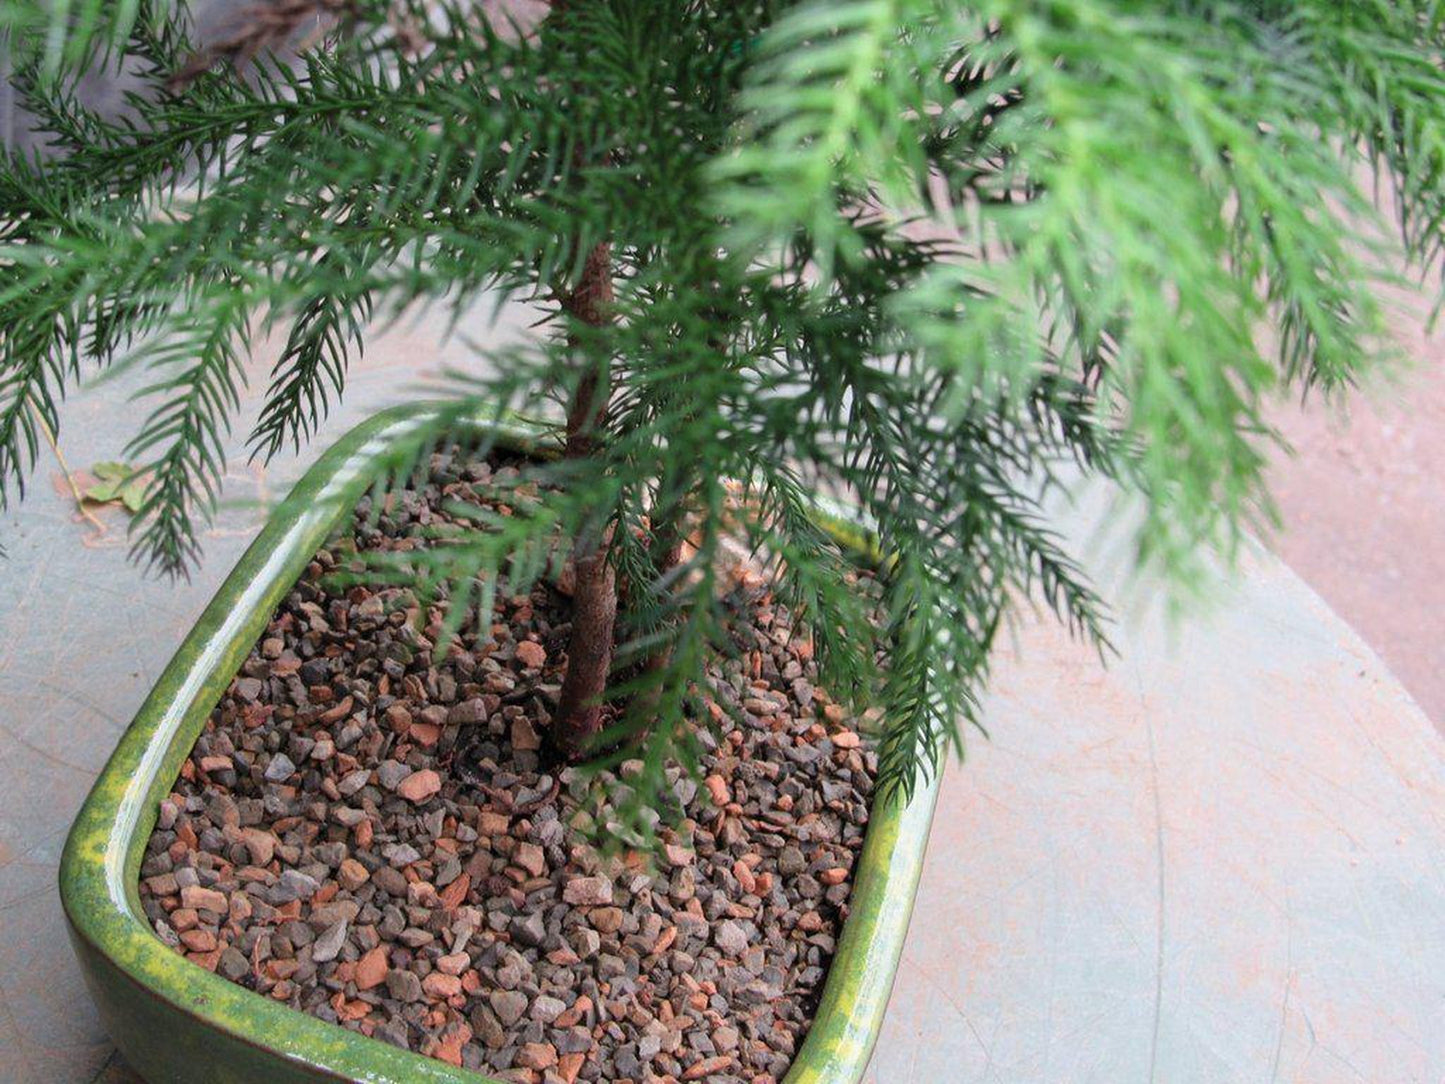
(1217, 860)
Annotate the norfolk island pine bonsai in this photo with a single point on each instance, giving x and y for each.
(907, 254)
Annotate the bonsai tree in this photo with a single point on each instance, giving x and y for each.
(911, 255)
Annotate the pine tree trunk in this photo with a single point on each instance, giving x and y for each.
(594, 598)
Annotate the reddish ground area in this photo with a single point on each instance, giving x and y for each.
(1363, 500)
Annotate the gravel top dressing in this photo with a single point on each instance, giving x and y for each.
(370, 836)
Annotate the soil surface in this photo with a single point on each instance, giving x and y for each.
(372, 837)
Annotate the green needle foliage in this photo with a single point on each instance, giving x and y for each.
(908, 253)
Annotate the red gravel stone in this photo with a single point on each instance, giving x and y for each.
(531, 655)
(203, 899)
(371, 969)
(718, 788)
(440, 986)
(707, 1067)
(419, 786)
(537, 1056)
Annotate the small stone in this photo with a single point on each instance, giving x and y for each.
(371, 969)
(468, 713)
(586, 942)
(199, 940)
(448, 1047)
(587, 891)
(332, 854)
(524, 735)
(391, 774)
(683, 885)
(546, 1008)
(569, 1066)
(261, 846)
(530, 930)
(163, 884)
(835, 876)
(247, 688)
(352, 875)
(606, 919)
(677, 856)
(392, 1031)
(509, 1005)
(441, 986)
(717, 788)
(488, 1028)
(280, 769)
(400, 855)
(295, 885)
(404, 986)
(529, 856)
(707, 1067)
(454, 964)
(419, 786)
(846, 739)
(493, 824)
(537, 1056)
(348, 817)
(328, 945)
(455, 892)
(389, 880)
(233, 965)
(744, 874)
(425, 734)
(573, 1040)
(730, 938)
(204, 899)
(332, 912)
(627, 1062)
(531, 655)
(791, 862)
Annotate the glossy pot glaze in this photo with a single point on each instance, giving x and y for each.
(177, 1023)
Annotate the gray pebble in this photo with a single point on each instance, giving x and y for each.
(328, 945)
(509, 1005)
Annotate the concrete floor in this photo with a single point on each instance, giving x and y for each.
(1217, 860)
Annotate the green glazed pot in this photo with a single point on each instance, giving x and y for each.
(176, 1023)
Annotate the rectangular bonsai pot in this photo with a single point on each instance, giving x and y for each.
(177, 1023)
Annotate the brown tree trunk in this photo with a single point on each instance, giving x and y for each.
(594, 598)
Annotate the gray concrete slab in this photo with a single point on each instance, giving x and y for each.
(1216, 860)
